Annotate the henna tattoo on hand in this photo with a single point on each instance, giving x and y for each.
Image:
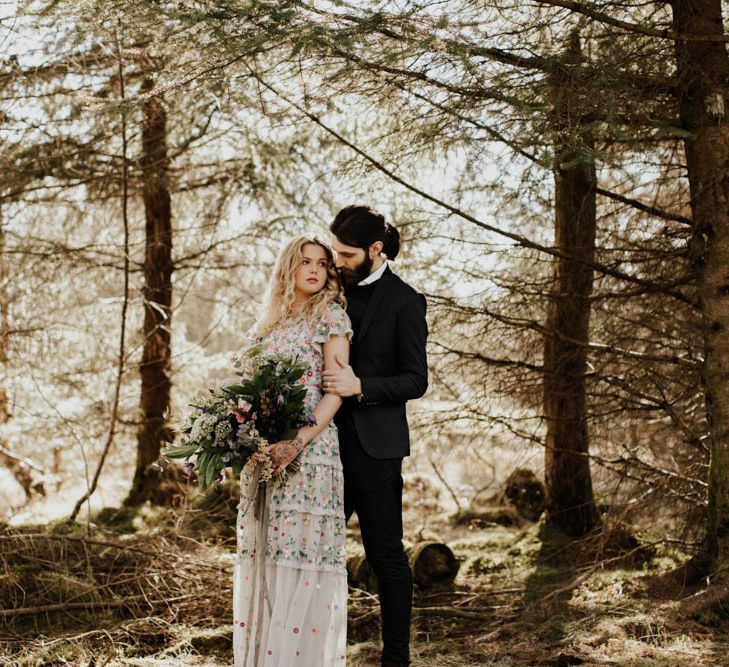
(287, 450)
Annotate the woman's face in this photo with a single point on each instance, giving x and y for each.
(311, 276)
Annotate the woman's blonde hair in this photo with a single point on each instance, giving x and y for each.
(281, 294)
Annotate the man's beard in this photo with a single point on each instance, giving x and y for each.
(351, 277)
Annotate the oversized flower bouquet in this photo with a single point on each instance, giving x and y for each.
(241, 418)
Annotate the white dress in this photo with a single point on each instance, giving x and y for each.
(290, 580)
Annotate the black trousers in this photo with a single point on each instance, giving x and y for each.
(373, 489)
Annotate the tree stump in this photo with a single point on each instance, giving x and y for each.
(521, 496)
(525, 492)
(432, 564)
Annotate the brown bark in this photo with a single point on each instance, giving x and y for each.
(20, 468)
(570, 504)
(157, 291)
(702, 69)
(4, 326)
(28, 476)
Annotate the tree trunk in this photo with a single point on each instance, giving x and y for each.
(702, 69)
(23, 471)
(570, 504)
(157, 291)
(4, 325)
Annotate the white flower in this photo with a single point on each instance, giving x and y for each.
(222, 431)
(203, 426)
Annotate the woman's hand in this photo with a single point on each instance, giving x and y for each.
(283, 452)
(341, 381)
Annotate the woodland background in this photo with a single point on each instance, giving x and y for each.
(559, 173)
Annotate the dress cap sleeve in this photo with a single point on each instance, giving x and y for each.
(334, 322)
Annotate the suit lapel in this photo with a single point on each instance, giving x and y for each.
(375, 302)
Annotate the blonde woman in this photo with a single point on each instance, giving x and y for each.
(290, 582)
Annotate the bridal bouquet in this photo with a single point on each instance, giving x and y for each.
(242, 417)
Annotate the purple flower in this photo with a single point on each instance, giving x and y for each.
(189, 467)
(221, 477)
(311, 420)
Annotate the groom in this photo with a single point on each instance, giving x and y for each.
(388, 367)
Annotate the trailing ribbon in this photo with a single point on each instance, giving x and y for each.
(256, 498)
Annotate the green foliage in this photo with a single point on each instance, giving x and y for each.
(239, 419)
(181, 451)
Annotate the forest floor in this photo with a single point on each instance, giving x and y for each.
(153, 587)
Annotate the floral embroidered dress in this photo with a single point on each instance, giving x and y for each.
(290, 581)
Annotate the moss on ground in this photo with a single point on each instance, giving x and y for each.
(524, 597)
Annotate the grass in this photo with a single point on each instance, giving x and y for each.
(523, 597)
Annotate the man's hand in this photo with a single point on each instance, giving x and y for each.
(341, 381)
(283, 452)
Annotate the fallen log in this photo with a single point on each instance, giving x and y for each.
(432, 564)
(360, 574)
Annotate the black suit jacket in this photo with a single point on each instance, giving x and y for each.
(391, 362)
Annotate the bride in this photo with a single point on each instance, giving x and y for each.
(290, 581)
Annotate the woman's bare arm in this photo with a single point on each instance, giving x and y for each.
(285, 451)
